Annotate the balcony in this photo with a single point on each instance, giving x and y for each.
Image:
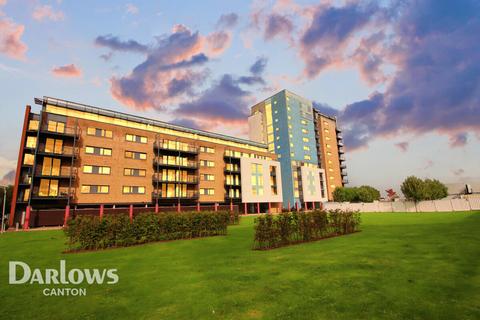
(232, 169)
(232, 184)
(232, 154)
(338, 130)
(340, 143)
(345, 181)
(62, 194)
(341, 150)
(342, 157)
(181, 147)
(232, 197)
(188, 180)
(343, 173)
(65, 151)
(339, 136)
(343, 166)
(190, 194)
(73, 132)
(190, 164)
(64, 173)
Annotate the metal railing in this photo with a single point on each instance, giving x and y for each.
(62, 193)
(160, 178)
(65, 150)
(185, 164)
(66, 131)
(177, 146)
(190, 194)
(64, 172)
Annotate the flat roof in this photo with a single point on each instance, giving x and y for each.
(120, 115)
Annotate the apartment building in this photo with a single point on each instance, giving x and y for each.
(83, 156)
(286, 123)
(330, 151)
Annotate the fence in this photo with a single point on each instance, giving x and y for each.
(56, 217)
(445, 205)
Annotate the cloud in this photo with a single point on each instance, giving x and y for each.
(458, 172)
(8, 178)
(403, 146)
(227, 21)
(458, 140)
(325, 109)
(131, 9)
(69, 70)
(114, 43)
(46, 12)
(106, 56)
(276, 25)
(189, 123)
(10, 38)
(259, 66)
(173, 69)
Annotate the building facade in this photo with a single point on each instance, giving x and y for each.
(330, 151)
(286, 123)
(82, 156)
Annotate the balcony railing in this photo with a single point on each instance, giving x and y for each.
(343, 173)
(190, 194)
(341, 150)
(65, 151)
(345, 181)
(339, 136)
(232, 169)
(342, 157)
(62, 193)
(183, 164)
(343, 166)
(232, 184)
(65, 131)
(232, 154)
(65, 172)
(340, 143)
(232, 197)
(188, 179)
(177, 146)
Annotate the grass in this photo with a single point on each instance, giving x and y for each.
(401, 266)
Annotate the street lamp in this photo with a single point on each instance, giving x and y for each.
(3, 211)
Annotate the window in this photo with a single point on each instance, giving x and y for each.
(304, 139)
(135, 155)
(207, 163)
(28, 159)
(134, 172)
(257, 179)
(307, 157)
(207, 149)
(33, 125)
(54, 145)
(51, 167)
(99, 132)
(96, 169)
(328, 146)
(99, 151)
(135, 138)
(133, 190)
(327, 131)
(94, 189)
(306, 148)
(304, 122)
(48, 188)
(207, 177)
(31, 142)
(232, 180)
(56, 126)
(207, 191)
(305, 131)
(273, 180)
(232, 167)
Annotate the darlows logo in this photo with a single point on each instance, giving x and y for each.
(22, 273)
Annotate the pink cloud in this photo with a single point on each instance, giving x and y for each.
(403, 146)
(10, 39)
(69, 70)
(44, 12)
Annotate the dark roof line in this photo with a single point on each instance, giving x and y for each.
(120, 115)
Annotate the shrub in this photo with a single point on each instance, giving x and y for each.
(294, 227)
(434, 189)
(415, 189)
(91, 232)
(356, 194)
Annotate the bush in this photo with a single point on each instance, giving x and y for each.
(294, 227)
(91, 232)
(415, 189)
(356, 194)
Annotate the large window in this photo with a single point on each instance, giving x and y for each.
(135, 138)
(31, 142)
(48, 188)
(257, 179)
(134, 172)
(273, 180)
(95, 189)
(51, 167)
(99, 132)
(99, 151)
(135, 155)
(56, 126)
(53, 145)
(33, 125)
(96, 169)
(232, 180)
(28, 159)
(133, 190)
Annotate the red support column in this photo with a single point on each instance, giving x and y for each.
(245, 208)
(216, 207)
(258, 207)
(179, 209)
(296, 206)
(156, 207)
(306, 206)
(67, 215)
(26, 223)
(131, 213)
(269, 207)
(313, 205)
(231, 206)
(198, 206)
(289, 207)
(101, 211)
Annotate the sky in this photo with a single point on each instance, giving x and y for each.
(402, 76)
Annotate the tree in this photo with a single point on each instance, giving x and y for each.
(356, 194)
(367, 194)
(413, 189)
(434, 189)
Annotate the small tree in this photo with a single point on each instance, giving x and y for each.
(413, 189)
(434, 189)
(343, 194)
(367, 194)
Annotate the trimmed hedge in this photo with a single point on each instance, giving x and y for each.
(91, 232)
(294, 227)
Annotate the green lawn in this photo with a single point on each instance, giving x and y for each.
(401, 266)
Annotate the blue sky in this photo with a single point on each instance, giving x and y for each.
(402, 76)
